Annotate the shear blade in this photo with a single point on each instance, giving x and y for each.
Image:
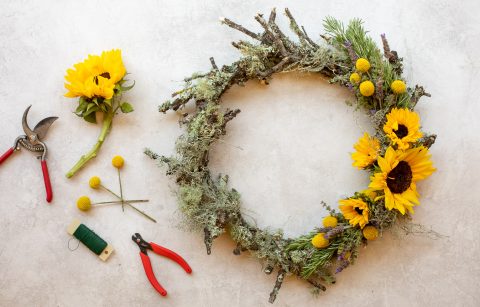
(25, 126)
(40, 129)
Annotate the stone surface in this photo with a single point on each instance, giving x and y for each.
(283, 167)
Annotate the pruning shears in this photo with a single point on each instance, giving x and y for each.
(32, 140)
(160, 250)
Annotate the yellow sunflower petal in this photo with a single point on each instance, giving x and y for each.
(399, 172)
(367, 149)
(96, 76)
(402, 127)
(419, 161)
(355, 211)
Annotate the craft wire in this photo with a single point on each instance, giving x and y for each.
(90, 239)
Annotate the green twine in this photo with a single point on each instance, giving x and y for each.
(90, 239)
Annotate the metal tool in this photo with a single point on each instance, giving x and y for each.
(160, 250)
(33, 141)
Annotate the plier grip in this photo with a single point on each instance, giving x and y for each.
(160, 250)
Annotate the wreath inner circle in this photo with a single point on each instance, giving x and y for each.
(396, 157)
(288, 149)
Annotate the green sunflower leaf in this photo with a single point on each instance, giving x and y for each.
(91, 118)
(82, 106)
(126, 107)
(103, 108)
(90, 106)
(127, 88)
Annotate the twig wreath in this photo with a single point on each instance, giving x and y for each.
(396, 157)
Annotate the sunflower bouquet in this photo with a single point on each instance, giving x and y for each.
(99, 83)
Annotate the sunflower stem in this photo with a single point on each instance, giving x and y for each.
(106, 127)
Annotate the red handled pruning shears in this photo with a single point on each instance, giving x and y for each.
(147, 265)
(32, 141)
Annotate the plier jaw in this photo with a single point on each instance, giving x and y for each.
(160, 250)
(142, 244)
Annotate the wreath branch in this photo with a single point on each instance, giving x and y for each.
(317, 285)
(240, 28)
(214, 65)
(278, 285)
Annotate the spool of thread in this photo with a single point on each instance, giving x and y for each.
(90, 239)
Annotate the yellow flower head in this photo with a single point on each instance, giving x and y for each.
(84, 203)
(402, 127)
(96, 76)
(355, 78)
(399, 171)
(362, 65)
(367, 88)
(118, 162)
(370, 194)
(370, 233)
(367, 149)
(355, 211)
(319, 240)
(398, 87)
(330, 221)
(95, 182)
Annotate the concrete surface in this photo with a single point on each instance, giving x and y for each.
(287, 163)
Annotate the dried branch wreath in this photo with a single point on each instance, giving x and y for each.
(396, 156)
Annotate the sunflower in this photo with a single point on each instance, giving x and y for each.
(96, 76)
(355, 211)
(399, 171)
(366, 151)
(402, 127)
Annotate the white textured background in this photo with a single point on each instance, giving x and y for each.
(295, 137)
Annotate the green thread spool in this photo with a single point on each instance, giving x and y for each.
(90, 239)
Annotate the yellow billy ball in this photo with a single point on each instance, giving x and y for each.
(94, 182)
(398, 87)
(367, 88)
(84, 203)
(117, 161)
(355, 78)
(319, 240)
(370, 233)
(362, 65)
(330, 221)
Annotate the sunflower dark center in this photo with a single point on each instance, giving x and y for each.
(400, 178)
(105, 75)
(401, 132)
(358, 210)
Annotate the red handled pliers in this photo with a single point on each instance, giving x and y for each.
(33, 141)
(147, 265)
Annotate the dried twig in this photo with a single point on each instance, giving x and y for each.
(278, 285)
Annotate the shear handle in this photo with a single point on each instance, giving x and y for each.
(7, 154)
(10, 151)
(46, 179)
